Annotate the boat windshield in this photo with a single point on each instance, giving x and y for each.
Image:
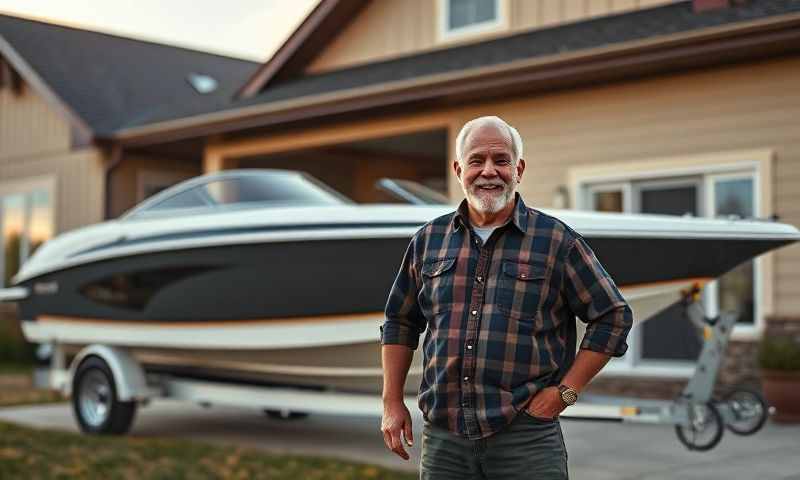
(407, 191)
(247, 190)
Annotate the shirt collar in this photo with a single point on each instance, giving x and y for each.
(519, 217)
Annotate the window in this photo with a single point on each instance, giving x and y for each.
(275, 189)
(667, 340)
(188, 199)
(467, 17)
(734, 196)
(133, 291)
(26, 222)
(251, 190)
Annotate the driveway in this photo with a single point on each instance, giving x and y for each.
(597, 450)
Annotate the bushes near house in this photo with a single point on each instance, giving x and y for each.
(14, 349)
(779, 359)
(780, 353)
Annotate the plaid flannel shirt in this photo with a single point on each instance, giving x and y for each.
(499, 316)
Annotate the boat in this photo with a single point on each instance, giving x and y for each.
(270, 277)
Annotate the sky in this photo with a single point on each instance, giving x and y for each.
(250, 29)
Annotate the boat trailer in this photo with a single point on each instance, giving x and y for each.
(107, 385)
(699, 418)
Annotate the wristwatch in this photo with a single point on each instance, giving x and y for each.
(568, 395)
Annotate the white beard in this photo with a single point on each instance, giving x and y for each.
(490, 202)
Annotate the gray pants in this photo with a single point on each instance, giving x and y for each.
(528, 448)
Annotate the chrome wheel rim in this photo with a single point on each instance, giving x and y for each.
(95, 398)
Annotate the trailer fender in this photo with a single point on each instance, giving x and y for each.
(128, 374)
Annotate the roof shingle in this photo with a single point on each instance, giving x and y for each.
(111, 81)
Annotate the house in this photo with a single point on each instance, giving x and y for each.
(677, 107)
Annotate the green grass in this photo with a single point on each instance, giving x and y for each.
(16, 369)
(16, 388)
(38, 454)
(27, 396)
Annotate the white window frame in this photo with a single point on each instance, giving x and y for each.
(25, 187)
(624, 187)
(755, 164)
(659, 183)
(710, 297)
(445, 34)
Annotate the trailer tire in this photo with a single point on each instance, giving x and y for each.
(710, 419)
(95, 403)
(749, 401)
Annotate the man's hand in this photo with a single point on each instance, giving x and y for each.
(546, 403)
(396, 421)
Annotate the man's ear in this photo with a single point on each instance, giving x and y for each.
(520, 167)
(457, 169)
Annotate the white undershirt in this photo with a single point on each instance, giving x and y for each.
(484, 232)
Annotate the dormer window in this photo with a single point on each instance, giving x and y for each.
(464, 18)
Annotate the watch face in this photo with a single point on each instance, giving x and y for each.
(569, 396)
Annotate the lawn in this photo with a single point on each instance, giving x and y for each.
(16, 388)
(37, 454)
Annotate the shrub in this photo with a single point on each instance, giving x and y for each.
(779, 354)
(13, 347)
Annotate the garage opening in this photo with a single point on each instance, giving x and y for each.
(355, 168)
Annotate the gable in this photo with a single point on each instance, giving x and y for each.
(388, 29)
(107, 81)
(29, 125)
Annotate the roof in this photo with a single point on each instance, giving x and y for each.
(603, 31)
(136, 91)
(110, 81)
(320, 26)
(608, 31)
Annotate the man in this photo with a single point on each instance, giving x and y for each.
(497, 286)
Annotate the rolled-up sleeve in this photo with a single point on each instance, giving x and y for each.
(595, 299)
(404, 319)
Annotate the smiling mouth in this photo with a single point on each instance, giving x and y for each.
(490, 188)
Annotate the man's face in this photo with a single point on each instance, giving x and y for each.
(488, 175)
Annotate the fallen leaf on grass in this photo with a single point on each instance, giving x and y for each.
(370, 472)
(10, 453)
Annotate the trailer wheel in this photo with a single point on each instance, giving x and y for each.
(95, 404)
(705, 427)
(748, 409)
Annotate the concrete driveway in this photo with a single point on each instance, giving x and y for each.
(597, 451)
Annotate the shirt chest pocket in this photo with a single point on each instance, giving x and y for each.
(437, 285)
(520, 288)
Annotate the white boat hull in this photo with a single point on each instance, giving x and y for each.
(334, 352)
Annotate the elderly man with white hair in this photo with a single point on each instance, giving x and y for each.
(496, 287)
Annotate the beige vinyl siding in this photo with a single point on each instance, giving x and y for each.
(28, 126)
(384, 29)
(391, 28)
(78, 178)
(35, 145)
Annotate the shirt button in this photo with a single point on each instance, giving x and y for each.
(474, 312)
(480, 279)
(469, 347)
(466, 379)
(522, 276)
